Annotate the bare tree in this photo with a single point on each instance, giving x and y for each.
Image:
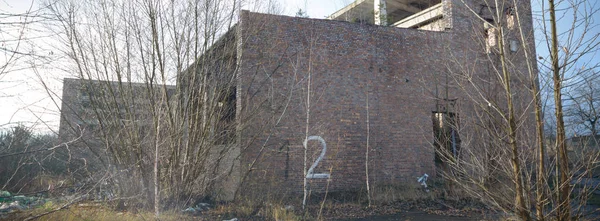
(583, 112)
(126, 53)
(168, 145)
(30, 146)
(22, 48)
(508, 124)
(15, 42)
(577, 41)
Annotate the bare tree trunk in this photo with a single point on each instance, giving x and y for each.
(541, 183)
(367, 151)
(541, 196)
(156, 179)
(512, 135)
(564, 210)
(307, 129)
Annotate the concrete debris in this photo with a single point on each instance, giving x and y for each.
(10, 203)
(289, 207)
(4, 194)
(190, 210)
(10, 207)
(197, 209)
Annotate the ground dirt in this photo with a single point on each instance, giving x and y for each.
(406, 210)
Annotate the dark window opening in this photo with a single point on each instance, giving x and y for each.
(487, 13)
(226, 125)
(85, 98)
(510, 17)
(446, 137)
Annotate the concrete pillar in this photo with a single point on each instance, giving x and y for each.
(380, 12)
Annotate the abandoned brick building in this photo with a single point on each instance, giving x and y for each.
(96, 115)
(377, 74)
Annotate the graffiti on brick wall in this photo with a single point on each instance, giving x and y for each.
(310, 174)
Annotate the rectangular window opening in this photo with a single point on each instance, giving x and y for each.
(226, 126)
(446, 137)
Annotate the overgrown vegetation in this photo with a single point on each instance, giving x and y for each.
(32, 162)
(508, 163)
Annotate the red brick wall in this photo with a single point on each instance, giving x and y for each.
(400, 70)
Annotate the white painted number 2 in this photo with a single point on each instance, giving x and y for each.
(310, 174)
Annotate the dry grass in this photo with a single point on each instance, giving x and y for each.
(265, 209)
(280, 213)
(403, 192)
(98, 213)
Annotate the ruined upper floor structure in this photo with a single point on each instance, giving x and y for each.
(422, 14)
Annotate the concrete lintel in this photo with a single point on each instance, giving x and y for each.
(426, 15)
(346, 9)
(402, 6)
